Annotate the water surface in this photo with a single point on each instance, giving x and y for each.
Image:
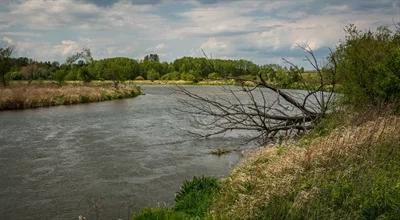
(110, 157)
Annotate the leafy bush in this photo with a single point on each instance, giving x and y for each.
(15, 75)
(153, 75)
(171, 76)
(369, 65)
(188, 77)
(214, 76)
(71, 75)
(59, 75)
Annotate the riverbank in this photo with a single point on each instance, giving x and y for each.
(21, 95)
(348, 168)
(311, 83)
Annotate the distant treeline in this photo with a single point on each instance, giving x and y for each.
(81, 66)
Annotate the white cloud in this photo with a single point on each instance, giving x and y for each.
(67, 47)
(53, 29)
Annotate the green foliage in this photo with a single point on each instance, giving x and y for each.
(369, 65)
(188, 77)
(152, 75)
(214, 76)
(85, 75)
(73, 74)
(5, 63)
(195, 196)
(116, 69)
(15, 75)
(172, 76)
(191, 202)
(60, 75)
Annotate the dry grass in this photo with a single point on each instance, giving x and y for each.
(22, 96)
(274, 171)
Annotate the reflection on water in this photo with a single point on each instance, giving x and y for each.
(106, 158)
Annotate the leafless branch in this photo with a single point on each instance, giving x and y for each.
(251, 108)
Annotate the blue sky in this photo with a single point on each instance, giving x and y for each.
(261, 30)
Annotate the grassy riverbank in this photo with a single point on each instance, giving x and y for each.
(20, 95)
(351, 173)
(348, 168)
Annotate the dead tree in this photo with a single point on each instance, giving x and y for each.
(251, 107)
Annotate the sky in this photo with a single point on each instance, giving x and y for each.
(264, 31)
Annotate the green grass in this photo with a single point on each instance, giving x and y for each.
(349, 171)
(193, 201)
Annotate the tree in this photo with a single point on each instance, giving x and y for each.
(251, 109)
(30, 71)
(369, 66)
(59, 75)
(5, 64)
(85, 55)
(153, 75)
(152, 58)
(83, 58)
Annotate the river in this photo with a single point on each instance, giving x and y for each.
(110, 158)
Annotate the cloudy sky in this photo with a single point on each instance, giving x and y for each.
(261, 30)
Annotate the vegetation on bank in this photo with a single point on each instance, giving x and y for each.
(348, 167)
(352, 173)
(43, 94)
(192, 201)
(82, 67)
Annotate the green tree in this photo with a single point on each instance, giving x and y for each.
(153, 75)
(369, 65)
(5, 63)
(59, 75)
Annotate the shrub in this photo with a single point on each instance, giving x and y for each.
(188, 77)
(171, 76)
(153, 75)
(214, 76)
(60, 75)
(15, 75)
(71, 75)
(369, 66)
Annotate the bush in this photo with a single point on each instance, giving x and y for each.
(188, 77)
(153, 75)
(171, 76)
(369, 66)
(60, 75)
(71, 75)
(14, 75)
(214, 76)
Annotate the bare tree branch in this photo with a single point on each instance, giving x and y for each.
(250, 108)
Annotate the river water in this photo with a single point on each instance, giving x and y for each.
(110, 158)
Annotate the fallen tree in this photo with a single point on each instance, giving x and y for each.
(251, 108)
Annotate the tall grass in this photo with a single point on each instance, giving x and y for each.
(22, 96)
(351, 173)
